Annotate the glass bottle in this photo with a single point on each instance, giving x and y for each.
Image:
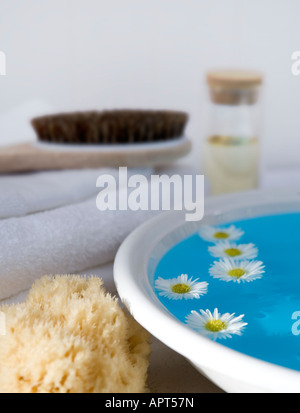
(231, 153)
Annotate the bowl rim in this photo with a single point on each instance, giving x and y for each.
(132, 283)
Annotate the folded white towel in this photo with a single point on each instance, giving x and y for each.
(35, 192)
(63, 240)
(67, 239)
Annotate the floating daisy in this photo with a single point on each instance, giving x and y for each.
(215, 234)
(216, 325)
(225, 249)
(228, 269)
(181, 287)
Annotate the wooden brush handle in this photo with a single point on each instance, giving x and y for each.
(28, 157)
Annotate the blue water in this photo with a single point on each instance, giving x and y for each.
(268, 303)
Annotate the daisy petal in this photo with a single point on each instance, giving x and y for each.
(216, 325)
(181, 287)
(234, 251)
(215, 234)
(230, 270)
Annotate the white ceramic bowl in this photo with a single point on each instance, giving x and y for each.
(135, 264)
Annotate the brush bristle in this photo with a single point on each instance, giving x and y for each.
(110, 127)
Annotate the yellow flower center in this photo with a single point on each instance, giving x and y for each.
(233, 252)
(236, 272)
(215, 326)
(181, 288)
(221, 235)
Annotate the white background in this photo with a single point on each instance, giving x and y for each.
(95, 54)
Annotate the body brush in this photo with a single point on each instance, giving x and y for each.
(110, 127)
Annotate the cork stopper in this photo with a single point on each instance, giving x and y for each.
(234, 87)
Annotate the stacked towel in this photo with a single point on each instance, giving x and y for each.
(34, 192)
(55, 226)
(63, 240)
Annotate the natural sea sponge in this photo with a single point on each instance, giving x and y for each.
(70, 336)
